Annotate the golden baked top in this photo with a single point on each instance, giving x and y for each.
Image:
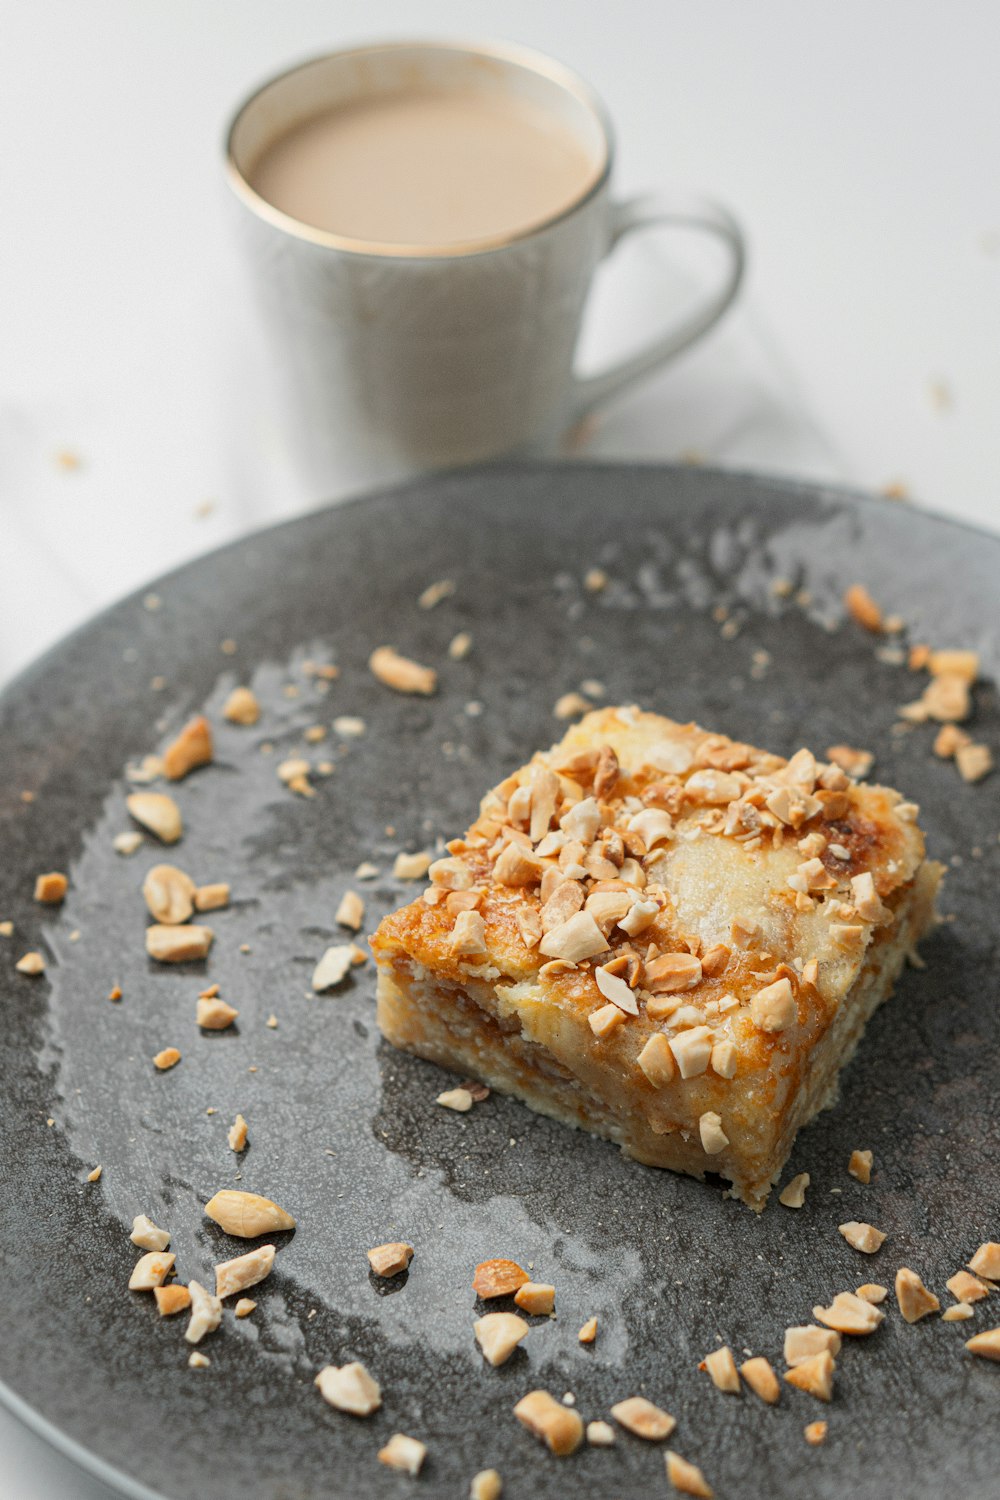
(657, 879)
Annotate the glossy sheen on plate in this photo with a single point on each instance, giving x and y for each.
(344, 1132)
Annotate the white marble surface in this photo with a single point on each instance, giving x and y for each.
(857, 143)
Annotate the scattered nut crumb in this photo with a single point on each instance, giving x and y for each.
(559, 1427)
(171, 1299)
(498, 1278)
(51, 889)
(157, 813)
(400, 673)
(814, 1375)
(212, 897)
(948, 740)
(793, 1195)
(457, 1099)
(595, 580)
(537, 1298)
(857, 763)
(126, 843)
(601, 1435)
(862, 608)
(873, 1292)
(966, 1288)
(198, 1361)
(806, 1340)
(243, 1271)
(435, 592)
(350, 1388)
(498, 1335)
(460, 646)
(974, 762)
(815, 1433)
(247, 1215)
(332, 967)
(178, 945)
(404, 1453)
(687, 1477)
(237, 1134)
(192, 748)
(850, 1314)
(588, 1333)
(366, 871)
(640, 1416)
(860, 1165)
(6, 929)
(348, 727)
(315, 734)
(146, 1235)
(31, 963)
(241, 707)
(272, 1022)
(863, 1237)
(957, 1313)
(390, 1259)
(761, 1379)
(244, 1307)
(95, 1174)
(206, 1313)
(351, 911)
(963, 664)
(168, 1058)
(915, 1301)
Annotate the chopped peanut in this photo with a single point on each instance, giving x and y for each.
(871, 1291)
(498, 1335)
(761, 1379)
(915, 1301)
(247, 1215)
(608, 1018)
(574, 940)
(168, 1058)
(178, 945)
(862, 608)
(643, 1418)
(206, 1313)
(95, 1174)
(986, 1344)
(192, 748)
(692, 1050)
(713, 1138)
(974, 762)
(390, 1259)
(244, 1307)
(807, 1340)
(860, 1165)
(198, 1361)
(964, 664)
(31, 963)
(486, 1485)
(350, 1388)
(212, 897)
(600, 1435)
(721, 1367)
(151, 1270)
(460, 645)
(468, 937)
(241, 707)
(850, 1314)
(498, 1278)
(157, 813)
(169, 894)
(814, 1375)
(459, 1100)
(773, 1008)
(966, 1288)
(559, 1427)
(146, 1235)
(687, 1478)
(958, 1312)
(435, 592)
(214, 1014)
(536, 1298)
(351, 911)
(404, 1453)
(815, 1433)
(588, 1332)
(793, 1194)
(400, 673)
(51, 889)
(657, 1060)
(237, 1135)
(243, 1271)
(863, 1237)
(171, 1299)
(411, 866)
(333, 967)
(570, 706)
(986, 1261)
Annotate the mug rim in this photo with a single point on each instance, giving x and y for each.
(540, 63)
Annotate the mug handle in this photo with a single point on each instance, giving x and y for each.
(676, 212)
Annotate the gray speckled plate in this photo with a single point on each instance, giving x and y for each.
(344, 1131)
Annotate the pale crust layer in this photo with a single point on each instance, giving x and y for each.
(751, 867)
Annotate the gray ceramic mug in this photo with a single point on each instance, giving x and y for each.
(398, 358)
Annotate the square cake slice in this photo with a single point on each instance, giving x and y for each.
(664, 937)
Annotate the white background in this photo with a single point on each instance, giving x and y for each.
(859, 143)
